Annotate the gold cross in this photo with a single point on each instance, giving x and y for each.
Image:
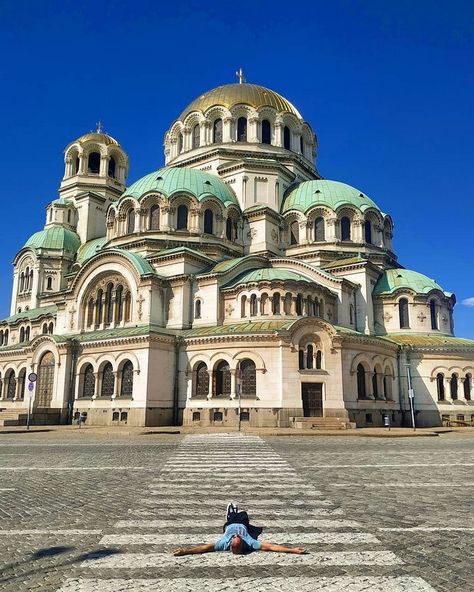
(240, 75)
(99, 126)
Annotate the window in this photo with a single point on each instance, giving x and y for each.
(27, 334)
(93, 163)
(182, 218)
(351, 314)
(433, 315)
(1, 338)
(403, 313)
(266, 132)
(387, 385)
(294, 233)
(368, 231)
(119, 304)
(467, 387)
(301, 145)
(440, 386)
(368, 418)
(217, 131)
(196, 136)
(243, 306)
(76, 166)
(345, 229)
(228, 229)
(361, 388)
(100, 307)
(244, 416)
(222, 379)
(112, 167)
(115, 416)
(180, 143)
(197, 309)
(50, 328)
(49, 283)
(154, 222)
(21, 384)
(208, 221)
(202, 380)
(69, 215)
(88, 388)
(248, 378)
(276, 303)
(108, 381)
(22, 334)
(309, 357)
(375, 384)
(11, 384)
(253, 305)
(130, 221)
(286, 138)
(299, 304)
(319, 230)
(109, 304)
(90, 315)
(218, 416)
(196, 416)
(126, 380)
(453, 385)
(128, 307)
(301, 359)
(319, 359)
(5, 337)
(242, 129)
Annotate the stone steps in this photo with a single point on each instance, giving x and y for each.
(321, 423)
(13, 418)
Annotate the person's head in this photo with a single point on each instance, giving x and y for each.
(237, 545)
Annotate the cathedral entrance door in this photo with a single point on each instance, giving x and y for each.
(44, 388)
(312, 395)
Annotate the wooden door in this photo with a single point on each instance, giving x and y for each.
(312, 395)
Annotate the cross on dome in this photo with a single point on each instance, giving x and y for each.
(240, 76)
(99, 127)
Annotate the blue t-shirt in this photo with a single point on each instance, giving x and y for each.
(223, 544)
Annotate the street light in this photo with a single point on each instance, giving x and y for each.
(411, 396)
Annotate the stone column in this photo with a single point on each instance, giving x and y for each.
(233, 384)
(358, 231)
(2, 389)
(116, 385)
(104, 161)
(331, 229)
(195, 220)
(82, 164)
(98, 384)
(278, 134)
(227, 125)
(252, 132)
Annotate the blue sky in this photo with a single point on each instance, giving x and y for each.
(387, 87)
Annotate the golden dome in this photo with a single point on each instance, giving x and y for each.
(99, 137)
(229, 95)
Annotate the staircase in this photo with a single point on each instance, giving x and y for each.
(13, 418)
(321, 423)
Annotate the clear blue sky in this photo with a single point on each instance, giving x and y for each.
(387, 86)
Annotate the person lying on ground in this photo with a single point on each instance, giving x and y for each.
(240, 537)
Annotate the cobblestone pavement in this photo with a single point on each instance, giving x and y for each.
(96, 513)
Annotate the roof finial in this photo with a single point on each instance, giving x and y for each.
(240, 76)
(99, 127)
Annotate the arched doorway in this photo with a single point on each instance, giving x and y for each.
(44, 389)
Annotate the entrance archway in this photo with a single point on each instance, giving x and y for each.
(45, 384)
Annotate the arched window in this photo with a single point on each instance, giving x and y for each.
(93, 163)
(27, 334)
(50, 328)
(108, 381)
(433, 315)
(294, 232)
(130, 221)
(286, 138)
(253, 305)
(266, 132)
(263, 304)
(76, 165)
(440, 386)
(22, 334)
(128, 307)
(112, 167)
(301, 145)
(319, 230)
(217, 131)
(208, 221)
(88, 387)
(276, 303)
(21, 384)
(243, 306)
(309, 356)
(202, 380)
(5, 337)
(197, 309)
(90, 314)
(467, 387)
(453, 385)
(228, 229)
(345, 229)
(196, 136)
(248, 378)
(126, 380)
(361, 387)
(375, 384)
(319, 359)
(299, 304)
(11, 384)
(182, 223)
(301, 359)
(49, 283)
(30, 282)
(351, 314)
(180, 143)
(242, 129)
(1, 341)
(154, 222)
(22, 282)
(119, 304)
(109, 304)
(368, 231)
(403, 313)
(222, 379)
(100, 308)
(69, 216)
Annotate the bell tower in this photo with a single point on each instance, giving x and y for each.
(95, 172)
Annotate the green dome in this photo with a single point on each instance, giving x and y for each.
(56, 238)
(397, 279)
(333, 194)
(171, 180)
(268, 274)
(89, 249)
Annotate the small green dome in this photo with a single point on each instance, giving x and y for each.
(89, 249)
(171, 180)
(396, 279)
(61, 201)
(268, 274)
(56, 238)
(333, 194)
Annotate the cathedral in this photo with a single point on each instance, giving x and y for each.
(234, 286)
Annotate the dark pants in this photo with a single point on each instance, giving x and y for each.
(243, 518)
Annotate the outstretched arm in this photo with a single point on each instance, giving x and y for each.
(193, 550)
(281, 549)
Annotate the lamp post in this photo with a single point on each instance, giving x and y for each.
(411, 397)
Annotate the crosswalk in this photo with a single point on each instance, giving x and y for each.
(185, 505)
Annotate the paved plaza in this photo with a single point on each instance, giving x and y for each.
(83, 512)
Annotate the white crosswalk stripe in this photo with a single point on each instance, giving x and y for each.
(185, 503)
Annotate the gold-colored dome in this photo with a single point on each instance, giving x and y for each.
(99, 137)
(229, 95)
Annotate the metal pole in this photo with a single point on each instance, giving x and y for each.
(238, 387)
(411, 396)
(29, 412)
